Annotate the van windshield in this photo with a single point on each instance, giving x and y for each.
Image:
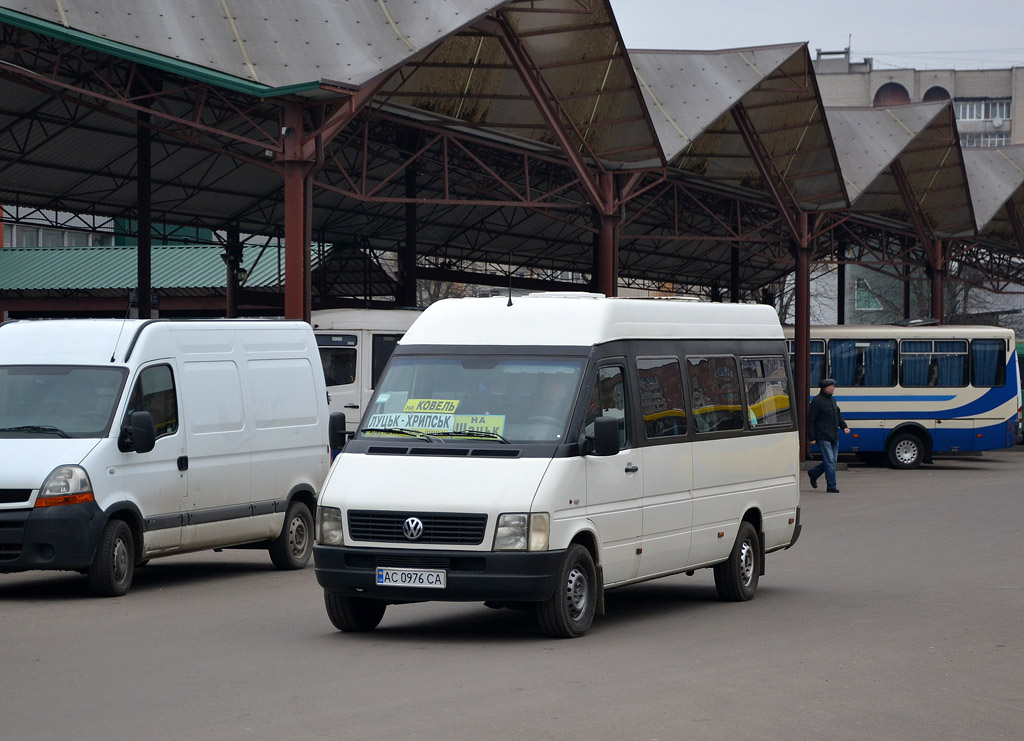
(502, 398)
(58, 400)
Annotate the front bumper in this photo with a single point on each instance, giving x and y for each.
(57, 538)
(471, 576)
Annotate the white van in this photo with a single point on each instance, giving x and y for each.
(125, 441)
(355, 345)
(539, 453)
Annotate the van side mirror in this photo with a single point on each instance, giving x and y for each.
(337, 436)
(606, 436)
(138, 434)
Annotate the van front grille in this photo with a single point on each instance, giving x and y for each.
(438, 528)
(14, 496)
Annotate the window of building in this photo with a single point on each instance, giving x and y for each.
(891, 93)
(864, 298)
(983, 110)
(1000, 139)
(936, 93)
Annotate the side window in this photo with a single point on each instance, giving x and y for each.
(338, 356)
(767, 389)
(154, 393)
(988, 363)
(608, 399)
(816, 366)
(863, 362)
(933, 363)
(661, 397)
(715, 393)
(383, 346)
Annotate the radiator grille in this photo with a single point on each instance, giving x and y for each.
(14, 496)
(438, 528)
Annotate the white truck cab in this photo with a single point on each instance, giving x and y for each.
(539, 452)
(124, 441)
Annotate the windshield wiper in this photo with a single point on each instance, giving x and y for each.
(402, 431)
(49, 429)
(474, 433)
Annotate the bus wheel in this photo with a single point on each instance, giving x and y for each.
(354, 614)
(905, 450)
(570, 610)
(110, 574)
(736, 579)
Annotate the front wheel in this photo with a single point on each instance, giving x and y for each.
(293, 547)
(111, 572)
(905, 450)
(354, 614)
(570, 610)
(736, 579)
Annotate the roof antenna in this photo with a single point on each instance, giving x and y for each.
(509, 278)
(123, 322)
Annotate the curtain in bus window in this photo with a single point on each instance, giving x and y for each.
(843, 358)
(915, 370)
(879, 360)
(986, 362)
(952, 368)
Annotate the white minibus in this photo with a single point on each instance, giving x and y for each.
(910, 392)
(538, 451)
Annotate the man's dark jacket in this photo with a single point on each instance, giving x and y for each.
(824, 419)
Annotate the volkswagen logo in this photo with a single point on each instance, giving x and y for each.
(412, 528)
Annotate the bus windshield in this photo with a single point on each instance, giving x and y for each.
(58, 400)
(484, 397)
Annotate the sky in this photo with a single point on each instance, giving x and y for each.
(935, 34)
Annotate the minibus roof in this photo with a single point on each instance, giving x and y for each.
(585, 319)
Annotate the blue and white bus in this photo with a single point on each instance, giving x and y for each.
(909, 392)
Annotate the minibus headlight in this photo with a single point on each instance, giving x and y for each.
(329, 529)
(65, 485)
(520, 531)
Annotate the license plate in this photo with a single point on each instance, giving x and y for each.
(411, 578)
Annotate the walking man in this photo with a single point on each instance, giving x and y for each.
(824, 420)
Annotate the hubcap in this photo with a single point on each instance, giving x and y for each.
(299, 536)
(576, 593)
(906, 451)
(746, 562)
(120, 560)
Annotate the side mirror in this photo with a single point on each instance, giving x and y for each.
(337, 436)
(138, 434)
(606, 436)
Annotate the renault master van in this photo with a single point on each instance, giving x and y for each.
(125, 441)
(541, 452)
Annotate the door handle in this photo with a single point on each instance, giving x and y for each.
(351, 406)
(631, 468)
(183, 463)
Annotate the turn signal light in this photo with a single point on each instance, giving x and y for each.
(80, 498)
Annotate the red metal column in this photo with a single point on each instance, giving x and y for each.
(295, 165)
(802, 330)
(607, 239)
(936, 271)
(144, 217)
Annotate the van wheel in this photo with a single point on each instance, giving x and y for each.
(736, 579)
(292, 548)
(354, 614)
(570, 610)
(905, 450)
(110, 574)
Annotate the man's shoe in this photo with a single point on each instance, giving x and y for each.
(832, 491)
(814, 481)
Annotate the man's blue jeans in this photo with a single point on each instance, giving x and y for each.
(829, 450)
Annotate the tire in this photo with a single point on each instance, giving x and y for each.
(736, 579)
(292, 548)
(570, 610)
(905, 450)
(354, 614)
(113, 567)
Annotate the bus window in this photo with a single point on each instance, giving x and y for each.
(661, 397)
(816, 366)
(933, 363)
(987, 368)
(338, 356)
(715, 390)
(383, 346)
(863, 362)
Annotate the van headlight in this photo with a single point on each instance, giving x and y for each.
(65, 485)
(522, 531)
(329, 528)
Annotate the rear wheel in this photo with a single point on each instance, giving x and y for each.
(292, 548)
(354, 614)
(570, 610)
(111, 572)
(905, 450)
(736, 579)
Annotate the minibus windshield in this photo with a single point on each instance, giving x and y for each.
(499, 398)
(51, 401)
